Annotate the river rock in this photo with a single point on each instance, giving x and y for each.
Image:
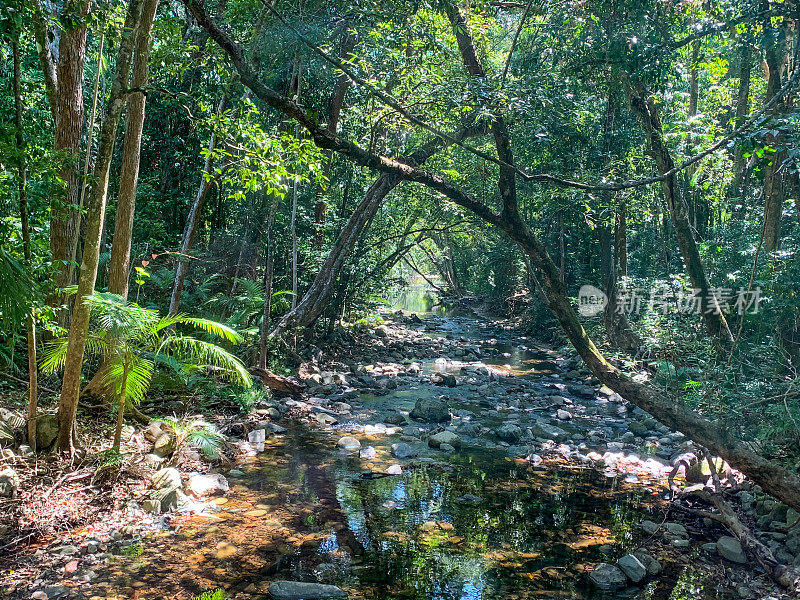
(165, 445)
(444, 437)
(650, 563)
(649, 527)
(431, 410)
(730, 548)
(444, 379)
(676, 530)
(349, 443)
(402, 450)
(549, 432)
(368, 453)
(168, 478)
(563, 415)
(632, 567)
(608, 577)
(638, 428)
(207, 485)
(510, 433)
(9, 483)
(298, 590)
(46, 431)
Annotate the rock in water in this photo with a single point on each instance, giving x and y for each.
(403, 450)
(444, 437)
(608, 577)
(731, 549)
(632, 567)
(509, 433)
(207, 485)
(650, 563)
(349, 443)
(298, 590)
(431, 410)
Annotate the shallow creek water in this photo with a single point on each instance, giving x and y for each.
(473, 525)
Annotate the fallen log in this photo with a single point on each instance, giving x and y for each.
(277, 383)
(785, 576)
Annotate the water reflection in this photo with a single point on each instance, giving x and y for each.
(483, 528)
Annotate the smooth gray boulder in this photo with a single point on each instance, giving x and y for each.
(402, 450)
(431, 410)
(650, 562)
(510, 433)
(730, 548)
(444, 437)
(349, 443)
(299, 590)
(632, 567)
(608, 577)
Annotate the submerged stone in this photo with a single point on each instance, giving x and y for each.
(431, 410)
(608, 577)
(299, 590)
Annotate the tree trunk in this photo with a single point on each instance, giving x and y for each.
(22, 189)
(120, 263)
(742, 110)
(775, 58)
(64, 219)
(313, 302)
(88, 153)
(269, 264)
(715, 321)
(616, 323)
(70, 388)
(335, 104)
(193, 220)
(621, 240)
(121, 406)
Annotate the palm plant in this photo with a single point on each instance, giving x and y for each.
(131, 339)
(246, 306)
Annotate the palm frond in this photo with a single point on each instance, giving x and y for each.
(220, 330)
(140, 372)
(206, 354)
(16, 291)
(54, 355)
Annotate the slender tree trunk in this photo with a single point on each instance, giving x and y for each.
(70, 388)
(269, 264)
(742, 110)
(22, 189)
(121, 406)
(193, 220)
(616, 323)
(647, 112)
(335, 104)
(88, 154)
(621, 240)
(293, 220)
(120, 263)
(775, 58)
(65, 220)
(45, 57)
